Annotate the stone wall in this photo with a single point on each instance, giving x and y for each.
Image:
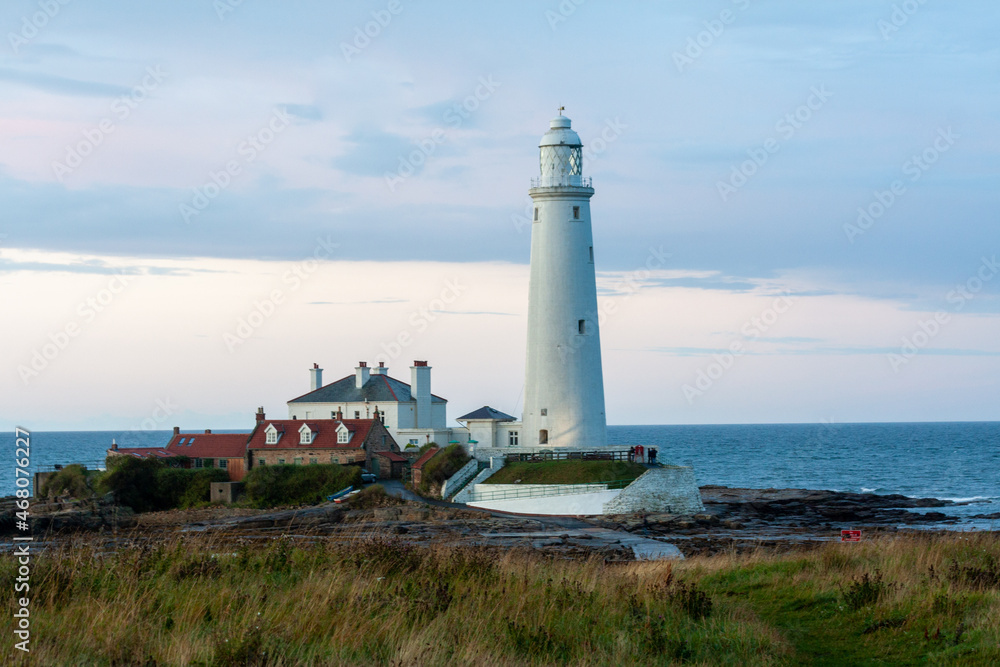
(670, 489)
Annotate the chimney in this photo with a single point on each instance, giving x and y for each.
(114, 445)
(361, 374)
(177, 430)
(340, 415)
(260, 415)
(208, 430)
(420, 390)
(315, 377)
(381, 370)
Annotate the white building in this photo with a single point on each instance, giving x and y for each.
(490, 428)
(410, 412)
(564, 385)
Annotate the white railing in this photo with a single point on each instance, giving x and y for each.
(585, 182)
(453, 483)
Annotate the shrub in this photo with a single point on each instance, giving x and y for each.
(866, 591)
(267, 486)
(71, 480)
(372, 497)
(442, 465)
(133, 482)
(148, 485)
(697, 604)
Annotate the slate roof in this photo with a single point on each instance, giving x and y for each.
(378, 389)
(427, 456)
(209, 445)
(486, 412)
(324, 433)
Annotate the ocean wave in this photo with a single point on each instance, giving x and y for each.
(973, 499)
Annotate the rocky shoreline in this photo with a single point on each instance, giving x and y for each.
(734, 520)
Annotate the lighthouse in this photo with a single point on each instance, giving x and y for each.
(564, 383)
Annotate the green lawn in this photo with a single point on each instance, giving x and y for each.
(566, 472)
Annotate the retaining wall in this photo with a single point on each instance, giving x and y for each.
(466, 493)
(670, 489)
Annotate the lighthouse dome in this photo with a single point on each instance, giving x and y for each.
(560, 134)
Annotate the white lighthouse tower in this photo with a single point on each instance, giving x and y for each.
(564, 383)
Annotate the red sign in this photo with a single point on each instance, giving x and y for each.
(850, 536)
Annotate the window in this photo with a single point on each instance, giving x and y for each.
(512, 439)
(223, 463)
(343, 437)
(591, 254)
(298, 460)
(543, 437)
(191, 441)
(272, 437)
(536, 214)
(182, 441)
(307, 438)
(313, 461)
(197, 463)
(414, 441)
(544, 412)
(281, 462)
(357, 414)
(334, 459)
(262, 462)
(581, 326)
(576, 212)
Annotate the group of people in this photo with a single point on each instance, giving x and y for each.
(638, 453)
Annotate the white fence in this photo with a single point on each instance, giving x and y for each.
(459, 478)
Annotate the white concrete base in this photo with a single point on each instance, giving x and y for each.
(581, 504)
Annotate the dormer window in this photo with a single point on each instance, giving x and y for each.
(305, 435)
(272, 435)
(344, 437)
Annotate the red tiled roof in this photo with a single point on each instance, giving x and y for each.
(142, 452)
(209, 445)
(392, 456)
(324, 433)
(419, 463)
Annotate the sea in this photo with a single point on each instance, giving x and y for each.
(957, 461)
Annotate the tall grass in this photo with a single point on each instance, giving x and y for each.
(376, 601)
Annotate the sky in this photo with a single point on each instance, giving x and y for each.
(795, 216)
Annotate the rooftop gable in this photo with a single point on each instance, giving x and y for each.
(379, 389)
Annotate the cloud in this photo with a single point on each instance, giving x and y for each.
(304, 111)
(60, 85)
(373, 152)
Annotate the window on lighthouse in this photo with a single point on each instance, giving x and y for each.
(581, 326)
(536, 214)
(543, 437)
(576, 212)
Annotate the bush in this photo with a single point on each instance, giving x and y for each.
(442, 465)
(867, 590)
(149, 485)
(71, 480)
(267, 486)
(372, 497)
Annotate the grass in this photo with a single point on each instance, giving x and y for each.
(566, 472)
(373, 601)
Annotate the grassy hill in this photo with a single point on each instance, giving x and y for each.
(566, 472)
